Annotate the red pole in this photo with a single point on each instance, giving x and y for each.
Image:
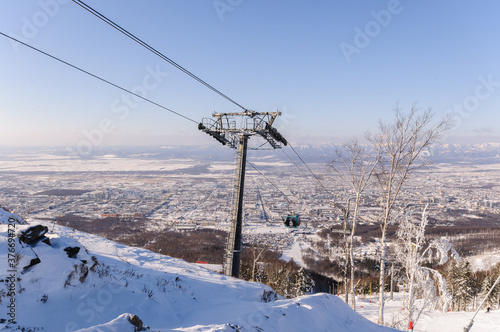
(411, 326)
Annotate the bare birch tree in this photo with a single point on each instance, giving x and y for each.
(345, 269)
(256, 253)
(356, 167)
(401, 144)
(345, 211)
(425, 283)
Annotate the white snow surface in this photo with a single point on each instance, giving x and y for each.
(107, 282)
(52, 163)
(433, 321)
(485, 261)
(6, 217)
(121, 324)
(295, 252)
(167, 294)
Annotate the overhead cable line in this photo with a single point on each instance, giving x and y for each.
(153, 50)
(274, 185)
(97, 77)
(302, 171)
(314, 175)
(289, 202)
(337, 205)
(293, 161)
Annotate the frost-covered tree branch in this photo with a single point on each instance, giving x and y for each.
(401, 144)
(356, 167)
(425, 284)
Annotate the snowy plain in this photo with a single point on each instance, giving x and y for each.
(51, 163)
(107, 282)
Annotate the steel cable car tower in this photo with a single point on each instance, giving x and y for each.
(223, 128)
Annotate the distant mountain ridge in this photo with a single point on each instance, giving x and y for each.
(320, 153)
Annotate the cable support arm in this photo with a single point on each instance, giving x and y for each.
(224, 129)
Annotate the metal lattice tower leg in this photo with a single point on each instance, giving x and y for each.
(232, 256)
(223, 128)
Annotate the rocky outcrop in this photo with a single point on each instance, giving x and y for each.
(136, 321)
(33, 262)
(72, 251)
(33, 235)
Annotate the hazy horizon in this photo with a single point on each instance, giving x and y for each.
(332, 68)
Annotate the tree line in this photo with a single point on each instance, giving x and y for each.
(394, 153)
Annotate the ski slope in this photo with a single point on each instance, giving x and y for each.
(106, 283)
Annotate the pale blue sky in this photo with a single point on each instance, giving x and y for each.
(332, 67)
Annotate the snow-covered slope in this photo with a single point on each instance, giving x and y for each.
(7, 217)
(103, 285)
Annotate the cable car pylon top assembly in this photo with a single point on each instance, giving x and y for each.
(223, 127)
(225, 130)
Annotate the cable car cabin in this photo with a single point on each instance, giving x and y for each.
(292, 221)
